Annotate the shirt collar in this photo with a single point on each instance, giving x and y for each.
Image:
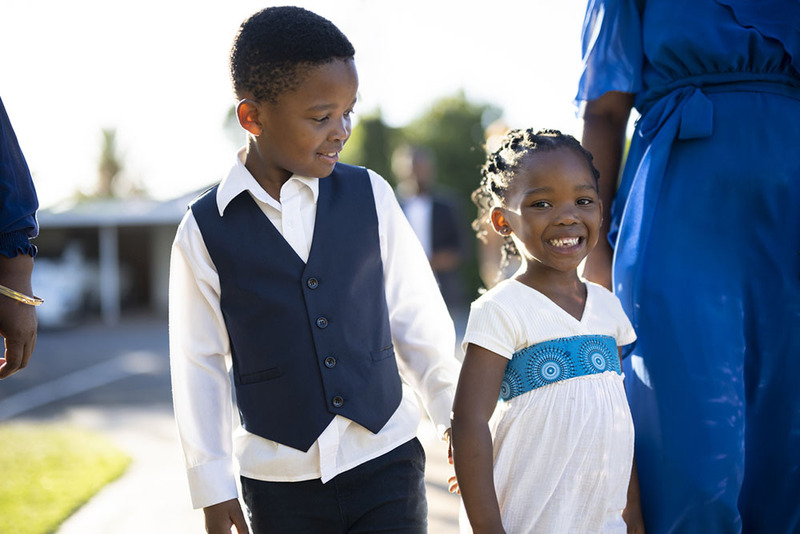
(239, 180)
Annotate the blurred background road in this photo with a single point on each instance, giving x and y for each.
(114, 379)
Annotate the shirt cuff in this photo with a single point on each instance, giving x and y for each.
(212, 483)
(439, 409)
(15, 243)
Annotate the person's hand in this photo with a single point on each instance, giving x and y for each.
(452, 485)
(632, 514)
(18, 328)
(17, 320)
(452, 482)
(222, 516)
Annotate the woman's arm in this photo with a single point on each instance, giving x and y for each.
(476, 397)
(604, 123)
(18, 321)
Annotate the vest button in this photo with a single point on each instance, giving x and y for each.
(330, 362)
(322, 322)
(312, 283)
(337, 401)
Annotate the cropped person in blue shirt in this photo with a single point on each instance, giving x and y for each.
(18, 205)
(706, 230)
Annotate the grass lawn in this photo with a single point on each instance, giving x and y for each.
(48, 471)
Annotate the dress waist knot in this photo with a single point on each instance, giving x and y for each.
(780, 83)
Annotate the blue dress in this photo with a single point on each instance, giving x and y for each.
(18, 201)
(706, 227)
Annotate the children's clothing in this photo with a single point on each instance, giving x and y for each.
(559, 359)
(563, 451)
(385, 494)
(277, 306)
(200, 348)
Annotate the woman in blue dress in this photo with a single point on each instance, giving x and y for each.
(705, 230)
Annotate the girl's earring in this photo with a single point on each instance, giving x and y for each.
(505, 230)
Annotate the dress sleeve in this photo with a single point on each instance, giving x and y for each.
(490, 327)
(612, 49)
(18, 201)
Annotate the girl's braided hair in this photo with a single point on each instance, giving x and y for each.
(500, 168)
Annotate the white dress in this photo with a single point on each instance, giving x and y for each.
(562, 452)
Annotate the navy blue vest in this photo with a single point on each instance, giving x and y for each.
(308, 340)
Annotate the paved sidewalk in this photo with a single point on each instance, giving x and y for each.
(115, 380)
(153, 496)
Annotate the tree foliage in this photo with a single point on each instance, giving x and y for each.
(110, 165)
(112, 179)
(453, 129)
(372, 143)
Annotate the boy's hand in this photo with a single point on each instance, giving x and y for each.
(452, 482)
(449, 439)
(452, 485)
(222, 516)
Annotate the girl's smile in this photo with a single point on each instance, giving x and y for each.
(565, 241)
(566, 245)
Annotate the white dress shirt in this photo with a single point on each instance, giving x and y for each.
(208, 425)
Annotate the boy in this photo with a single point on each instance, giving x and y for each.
(306, 307)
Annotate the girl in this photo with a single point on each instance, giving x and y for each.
(557, 455)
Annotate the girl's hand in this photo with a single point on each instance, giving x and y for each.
(633, 519)
(632, 514)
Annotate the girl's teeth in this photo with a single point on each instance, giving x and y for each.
(565, 242)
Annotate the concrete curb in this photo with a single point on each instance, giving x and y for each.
(153, 496)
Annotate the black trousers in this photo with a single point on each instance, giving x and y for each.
(386, 494)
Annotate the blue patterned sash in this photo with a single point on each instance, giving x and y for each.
(558, 359)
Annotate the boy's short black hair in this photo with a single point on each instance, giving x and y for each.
(274, 44)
